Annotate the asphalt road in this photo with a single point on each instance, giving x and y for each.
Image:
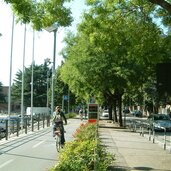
(33, 152)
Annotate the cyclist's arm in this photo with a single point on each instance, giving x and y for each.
(53, 119)
(64, 117)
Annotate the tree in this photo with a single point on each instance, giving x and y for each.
(61, 90)
(39, 85)
(116, 49)
(2, 97)
(41, 14)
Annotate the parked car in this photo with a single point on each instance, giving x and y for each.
(159, 122)
(14, 120)
(126, 110)
(137, 113)
(2, 123)
(105, 114)
(2, 132)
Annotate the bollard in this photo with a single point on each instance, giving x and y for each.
(48, 120)
(43, 120)
(132, 126)
(153, 135)
(38, 121)
(140, 130)
(18, 127)
(26, 126)
(135, 127)
(7, 129)
(164, 138)
(149, 134)
(32, 124)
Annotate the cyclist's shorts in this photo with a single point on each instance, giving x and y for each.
(58, 124)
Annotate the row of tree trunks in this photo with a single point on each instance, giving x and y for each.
(113, 101)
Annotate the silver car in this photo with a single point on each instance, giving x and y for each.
(105, 114)
(159, 122)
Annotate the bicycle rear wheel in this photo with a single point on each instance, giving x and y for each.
(58, 143)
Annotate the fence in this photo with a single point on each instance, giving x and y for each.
(158, 134)
(13, 127)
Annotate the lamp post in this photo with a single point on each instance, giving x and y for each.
(47, 100)
(32, 80)
(9, 90)
(53, 29)
(22, 91)
(48, 62)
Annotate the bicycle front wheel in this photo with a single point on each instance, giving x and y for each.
(58, 143)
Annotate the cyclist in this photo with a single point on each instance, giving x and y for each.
(58, 117)
(81, 114)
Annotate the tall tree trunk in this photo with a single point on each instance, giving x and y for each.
(110, 110)
(120, 110)
(110, 104)
(115, 119)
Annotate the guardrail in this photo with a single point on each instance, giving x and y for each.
(12, 127)
(146, 130)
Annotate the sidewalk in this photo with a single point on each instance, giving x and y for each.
(132, 151)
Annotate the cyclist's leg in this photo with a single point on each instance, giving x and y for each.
(81, 116)
(54, 128)
(58, 140)
(62, 135)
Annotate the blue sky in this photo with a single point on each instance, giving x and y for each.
(43, 42)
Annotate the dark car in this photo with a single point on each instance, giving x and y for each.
(137, 113)
(126, 110)
(159, 122)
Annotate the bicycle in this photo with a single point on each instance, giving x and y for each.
(58, 138)
(81, 117)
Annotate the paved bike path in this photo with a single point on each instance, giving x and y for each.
(132, 151)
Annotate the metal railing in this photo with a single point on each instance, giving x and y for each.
(162, 137)
(14, 129)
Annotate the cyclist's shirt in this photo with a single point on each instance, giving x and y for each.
(58, 117)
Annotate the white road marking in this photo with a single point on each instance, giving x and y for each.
(7, 162)
(36, 145)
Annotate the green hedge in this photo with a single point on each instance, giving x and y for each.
(84, 153)
(70, 115)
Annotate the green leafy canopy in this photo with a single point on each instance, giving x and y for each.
(42, 13)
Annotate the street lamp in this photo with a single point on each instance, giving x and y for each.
(10, 77)
(22, 91)
(47, 100)
(32, 80)
(53, 28)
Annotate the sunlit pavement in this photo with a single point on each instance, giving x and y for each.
(132, 151)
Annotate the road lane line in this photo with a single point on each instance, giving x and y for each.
(36, 145)
(7, 162)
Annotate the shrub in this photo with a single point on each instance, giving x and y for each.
(70, 115)
(84, 153)
(85, 132)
